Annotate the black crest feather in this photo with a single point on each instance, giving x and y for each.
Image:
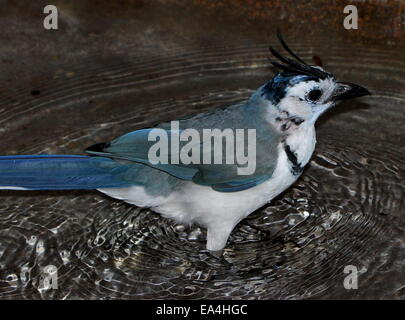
(297, 66)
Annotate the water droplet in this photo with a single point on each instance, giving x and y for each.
(40, 248)
(32, 240)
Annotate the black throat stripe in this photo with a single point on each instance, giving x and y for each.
(296, 167)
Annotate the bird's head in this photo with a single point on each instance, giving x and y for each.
(301, 92)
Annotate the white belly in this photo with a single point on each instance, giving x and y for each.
(221, 211)
(194, 203)
(205, 206)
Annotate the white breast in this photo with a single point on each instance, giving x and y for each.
(202, 204)
(302, 142)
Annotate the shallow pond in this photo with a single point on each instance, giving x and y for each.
(345, 210)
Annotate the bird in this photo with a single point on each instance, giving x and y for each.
(215, 195)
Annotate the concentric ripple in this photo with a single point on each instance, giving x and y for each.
(345, 210)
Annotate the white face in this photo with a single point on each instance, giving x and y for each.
(309, 99)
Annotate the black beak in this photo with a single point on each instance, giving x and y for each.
(347, 90)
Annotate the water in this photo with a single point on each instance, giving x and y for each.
(346, 209)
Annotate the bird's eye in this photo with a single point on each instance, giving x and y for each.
(314, 94)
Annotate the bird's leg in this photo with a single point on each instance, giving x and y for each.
(217, 236)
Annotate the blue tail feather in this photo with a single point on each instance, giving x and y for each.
(61, 172)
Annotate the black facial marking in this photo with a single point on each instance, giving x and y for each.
(288, 121)
(297, 120)
(286, 113)
(296, 167)
(275, 89)
(285, 126)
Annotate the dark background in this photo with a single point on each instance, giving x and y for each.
(116, 66)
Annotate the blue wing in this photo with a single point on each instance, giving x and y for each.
(135, 147)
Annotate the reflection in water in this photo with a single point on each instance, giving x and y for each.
(344, 210)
